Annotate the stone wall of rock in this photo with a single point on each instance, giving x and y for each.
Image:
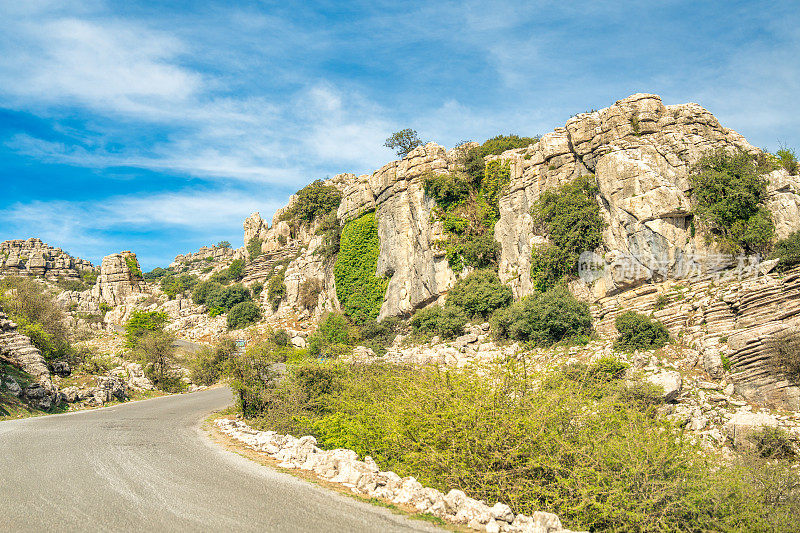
(641, 152)
(32, 257)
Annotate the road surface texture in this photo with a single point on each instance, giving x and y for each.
(147, 466)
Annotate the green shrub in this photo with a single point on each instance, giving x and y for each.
(787, 251)
(202, 291)
(583, 450)
(788, 160)
(71, 285)
(499, 144)
(254, 247)
(34, 309)
(281, 338)
(156, 273)
(332, 337)
(773, 443)
(543, 318)
(379, 335)
(256, 289)
(448, 189)
(133, 266)
(497, 175)
(89, 277)
(207, 364)
(142, 322)
(219, 299)
(479, 294)
(173, 285)
(222, 244)
(314, 200)
(276, 289)
(155, 349)
(243, 314)
(331, 231)
(570, 218)
(403, 141)
(359, 290)
(234, 272)
(447, 322)
(662, 300)
(729, 192)
(639, 332)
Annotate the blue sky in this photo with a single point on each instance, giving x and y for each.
(158, 127)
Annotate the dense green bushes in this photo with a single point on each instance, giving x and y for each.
(276, 289)
(499, 144)
(467, 220)
(639, 332)
(570, 218)
(35, 311)
(447, 321)
(243, 314)
(234, 272)
(314, 200)
(173, 285)
(332, 338)
(479, 294)
(788, 160)
(359, 290)
(219, 299)
(133, 266)
(496, 176)
(544, 318)
(208, 363)
(142, 322)
(559, 442)
(787, 251)
(254, 247)
(729, 192)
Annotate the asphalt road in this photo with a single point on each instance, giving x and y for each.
(147, 466)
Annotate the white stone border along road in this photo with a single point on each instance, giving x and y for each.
(365, 478)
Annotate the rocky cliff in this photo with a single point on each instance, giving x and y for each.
(641, 152)
(32, 257)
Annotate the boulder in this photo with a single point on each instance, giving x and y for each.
(670, 381)
(744, 423)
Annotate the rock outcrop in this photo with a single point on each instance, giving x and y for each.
(641, 152)
(33, 257)
(18, 349)
(120, 277)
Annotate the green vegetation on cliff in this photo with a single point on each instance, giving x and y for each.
(729, 192)
(359, 290)
(570, 219)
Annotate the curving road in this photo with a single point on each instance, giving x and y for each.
(147, 466)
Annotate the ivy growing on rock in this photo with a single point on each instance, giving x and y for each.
(359, 290)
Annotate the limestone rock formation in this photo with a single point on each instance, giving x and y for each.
(205, 255)
(120, 277)
(33, 257)
(18, 349)
(641, 152)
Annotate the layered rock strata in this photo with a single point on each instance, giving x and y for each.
(32, 257)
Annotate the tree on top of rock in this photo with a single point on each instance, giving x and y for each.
(403, 141)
